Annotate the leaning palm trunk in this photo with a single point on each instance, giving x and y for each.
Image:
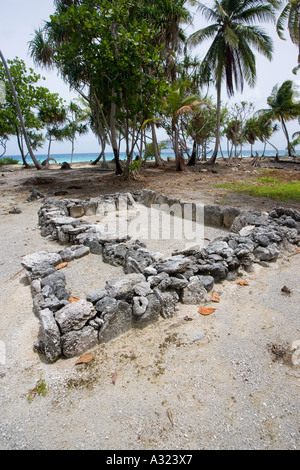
(158, 159)
(275, 148)
(285, 131)
(37, 164)
(21, 147)
(192, 161)
(178, 156)
(213, 158)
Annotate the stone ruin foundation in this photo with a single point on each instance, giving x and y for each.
(152, 284)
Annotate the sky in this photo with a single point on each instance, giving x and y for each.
(19, 19)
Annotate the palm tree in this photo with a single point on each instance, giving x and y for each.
(230, 56)
(251, 131)
(41, 50)
(290, 15)
(53, 116)
(179, 101)
(283, 107)
(75, 125)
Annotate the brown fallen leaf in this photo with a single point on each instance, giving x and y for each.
(206, 310)
(61, 266)
(114, 378)
(214, 297)
(85, 359)
(73, 299)
(170, 416)
(243, 283)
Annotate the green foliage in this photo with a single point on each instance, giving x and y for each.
(135, 165)
(8, 161)
(290, 16)
(40, 389)
(114, 54)
(37, 105)
(149, 152)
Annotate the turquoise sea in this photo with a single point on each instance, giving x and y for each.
(88, 157)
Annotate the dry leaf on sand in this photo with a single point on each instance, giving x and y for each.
(61, 266)
(206, 310)
(85, 359)
(243, 283)
(214, 297)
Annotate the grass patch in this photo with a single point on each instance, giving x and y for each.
(266, 186)
(39, 389)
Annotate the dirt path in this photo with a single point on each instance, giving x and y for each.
(224, 381)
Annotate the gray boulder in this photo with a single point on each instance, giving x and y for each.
(76, 211)
(269, 253)
(151, 313)
(117, 321)
(124, 287)
(194, 292)
(229, 215)
(96, 295)
(207, 282)
(77, 342)
(49, 336)
(143, 288)
(74, 316)
(41, 258)
(105, 305)
(147, 197)
(173, 265)
(168, 302)
(213, 216)
(139, 305)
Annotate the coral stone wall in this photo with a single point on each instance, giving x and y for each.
(152, 284)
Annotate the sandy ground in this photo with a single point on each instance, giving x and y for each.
(192, 382)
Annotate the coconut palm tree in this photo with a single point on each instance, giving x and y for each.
(53, 116)
(179, 101)
(76, 126)
(290, 15)
(230, 57)
(283, 107)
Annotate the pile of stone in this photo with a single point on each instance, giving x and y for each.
(152, 284)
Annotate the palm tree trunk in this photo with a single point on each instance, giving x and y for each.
(287, 137)
(192, 161)
(72, 153)
(94, 162)
(277, 153)
(158, 159)
(116, 148)
(37, 164)
(212, 159)
(47, 161)
(178, 159)
(21, 148)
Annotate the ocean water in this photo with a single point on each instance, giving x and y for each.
(89, 157)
